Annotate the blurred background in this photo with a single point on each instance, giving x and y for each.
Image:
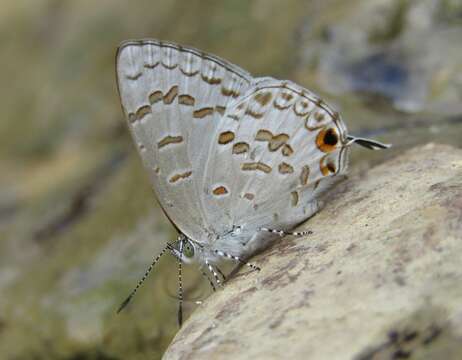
(78, 221)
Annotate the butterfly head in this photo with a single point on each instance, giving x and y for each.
(185, 249)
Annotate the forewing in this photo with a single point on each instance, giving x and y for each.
(174, 99)
(278, 147)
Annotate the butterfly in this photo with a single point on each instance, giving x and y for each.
(235, 161)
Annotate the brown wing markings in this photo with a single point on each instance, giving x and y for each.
(203, 112)
(171, 95)
(155, 97)
(263, 98)
(240, 148)
(275, 142)
(229, 92)
(143, 111)
(186, 100)
(304, 175)
(249, 196)
(211, 80)
(134, 77)
(254, 166)
(168, 140)
(132, 118)
(264, 135)
(180, 176)
(190, 74)
(302, 107)
(294, 198)
(188, 62)
(220, 191)
(220, 109)
(285, 103)
(285, 168)
(287, 150)
(151, 66)
(225, 137)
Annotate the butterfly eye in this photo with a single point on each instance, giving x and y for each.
(188, 250)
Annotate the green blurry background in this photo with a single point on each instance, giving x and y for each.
(78, 221)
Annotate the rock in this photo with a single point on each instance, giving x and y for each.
(379, 278)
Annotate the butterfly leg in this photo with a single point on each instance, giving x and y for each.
(284, 233)
(221, 273)
(212, 285)
(213, 272)
(232, 257)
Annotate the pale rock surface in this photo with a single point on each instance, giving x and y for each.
(380, 277)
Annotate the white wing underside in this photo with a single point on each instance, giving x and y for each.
(276, 166)
(223, 149)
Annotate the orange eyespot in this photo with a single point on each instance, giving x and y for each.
(327, 140)
(328, 169)
(327, 166)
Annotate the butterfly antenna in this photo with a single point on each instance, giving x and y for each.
(134, 291)
(180, 286)
(367, 143)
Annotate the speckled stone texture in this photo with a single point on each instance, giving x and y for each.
(380, 277)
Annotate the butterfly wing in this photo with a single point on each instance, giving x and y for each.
(278, 147)
(174, 98)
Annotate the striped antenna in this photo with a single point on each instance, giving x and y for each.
(132, 294)
(180, 285)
